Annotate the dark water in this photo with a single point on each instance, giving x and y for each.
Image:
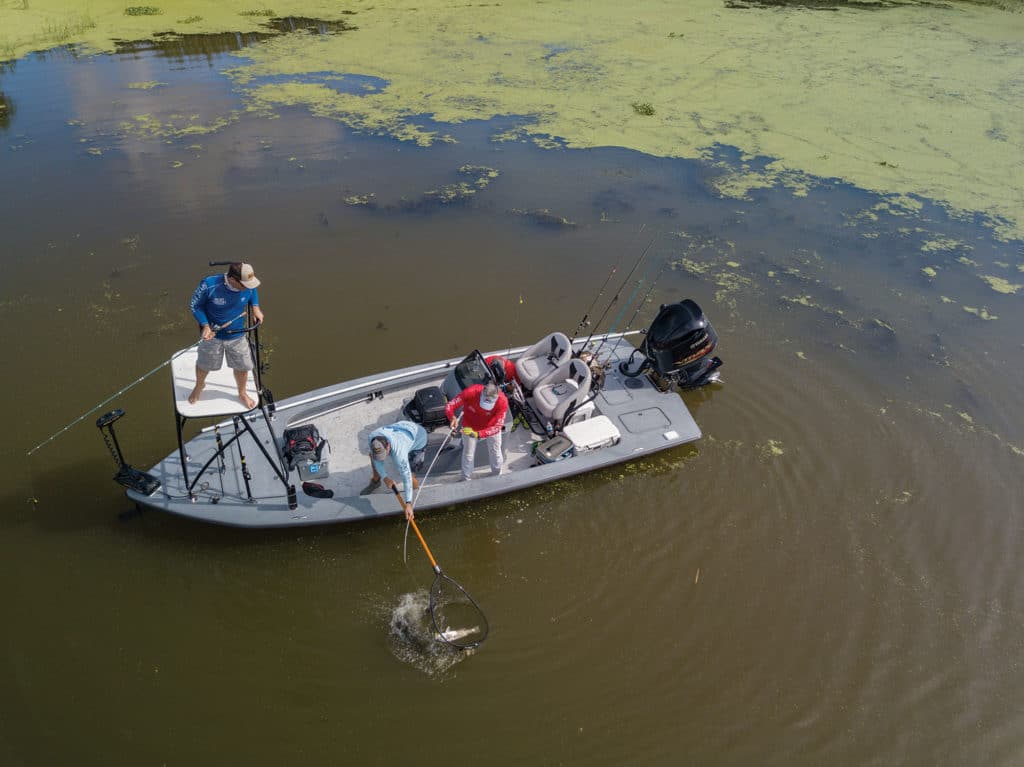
(828, 577)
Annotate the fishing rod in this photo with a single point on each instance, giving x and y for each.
(639, 306)
(619, 315)
(615, 298)
(134, 383)
(586, 315)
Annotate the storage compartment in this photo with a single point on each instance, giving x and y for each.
(554, 449)
(592, 433)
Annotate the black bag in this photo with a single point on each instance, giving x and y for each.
(302, 443)
(427, 407)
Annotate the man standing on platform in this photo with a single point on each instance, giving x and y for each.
(219, 306)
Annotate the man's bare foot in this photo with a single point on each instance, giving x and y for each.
(248, 401)
(415, 482)
(193, 398)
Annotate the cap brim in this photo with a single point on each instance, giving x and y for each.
(253, 283)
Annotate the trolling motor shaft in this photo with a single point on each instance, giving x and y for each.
(127, 475)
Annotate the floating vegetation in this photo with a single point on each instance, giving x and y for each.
(258, 12)
(176, 163)
(1000, 285)
(176, 126)
(142, 10)
(450, 193)
(6, 110)
(543, 217)
(360, 199)
(148, 85)
(983, 313)
(929, 272)
(690, 266)
(191, 20)
(642, 108)
(62, 31)
(484, 175)
(944, 244)
(770, 449)
(810, 303)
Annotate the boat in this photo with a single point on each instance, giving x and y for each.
(576, 405)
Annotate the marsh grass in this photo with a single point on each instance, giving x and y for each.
(258, 12)
(643, 108)
(191, 20)
(142, 10)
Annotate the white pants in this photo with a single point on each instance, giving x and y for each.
(469, 453)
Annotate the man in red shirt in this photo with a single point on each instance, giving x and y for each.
(483, 413)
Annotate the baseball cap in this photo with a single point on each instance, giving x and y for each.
(489, 397)
(244, 274)
(379, 448)
(248, 277)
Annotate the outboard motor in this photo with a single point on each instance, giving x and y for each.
(677, 348)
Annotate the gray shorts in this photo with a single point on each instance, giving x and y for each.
(212, 353)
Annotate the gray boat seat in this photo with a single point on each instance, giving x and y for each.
(566, 387)
(542, 359)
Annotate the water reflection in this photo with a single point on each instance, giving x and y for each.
(180, 47)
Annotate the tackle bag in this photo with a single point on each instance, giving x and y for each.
(302, 443)
(427, 407)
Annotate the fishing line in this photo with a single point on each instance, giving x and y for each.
(451, 433)
(134, 383)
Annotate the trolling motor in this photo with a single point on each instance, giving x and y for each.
(677, 349)
(127, 476)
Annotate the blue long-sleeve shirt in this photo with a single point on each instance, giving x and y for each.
(404, 437)
(215, 303)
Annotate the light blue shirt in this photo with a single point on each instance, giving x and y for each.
(404, 438)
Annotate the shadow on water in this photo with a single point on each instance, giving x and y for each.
(179, 47)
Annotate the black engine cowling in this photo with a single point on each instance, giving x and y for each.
(677, 347)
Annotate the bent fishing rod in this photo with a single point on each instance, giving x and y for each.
(136, 382)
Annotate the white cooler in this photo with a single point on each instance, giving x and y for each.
(592, 433)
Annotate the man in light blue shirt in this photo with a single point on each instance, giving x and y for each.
(397, 441)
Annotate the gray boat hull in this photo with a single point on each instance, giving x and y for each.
(647, 420)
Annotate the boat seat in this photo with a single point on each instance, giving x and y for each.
(542, 359)
(566, 387)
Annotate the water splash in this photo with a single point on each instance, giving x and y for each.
(413, 640)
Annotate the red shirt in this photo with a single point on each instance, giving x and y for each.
(486, 423)
(510, 367)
